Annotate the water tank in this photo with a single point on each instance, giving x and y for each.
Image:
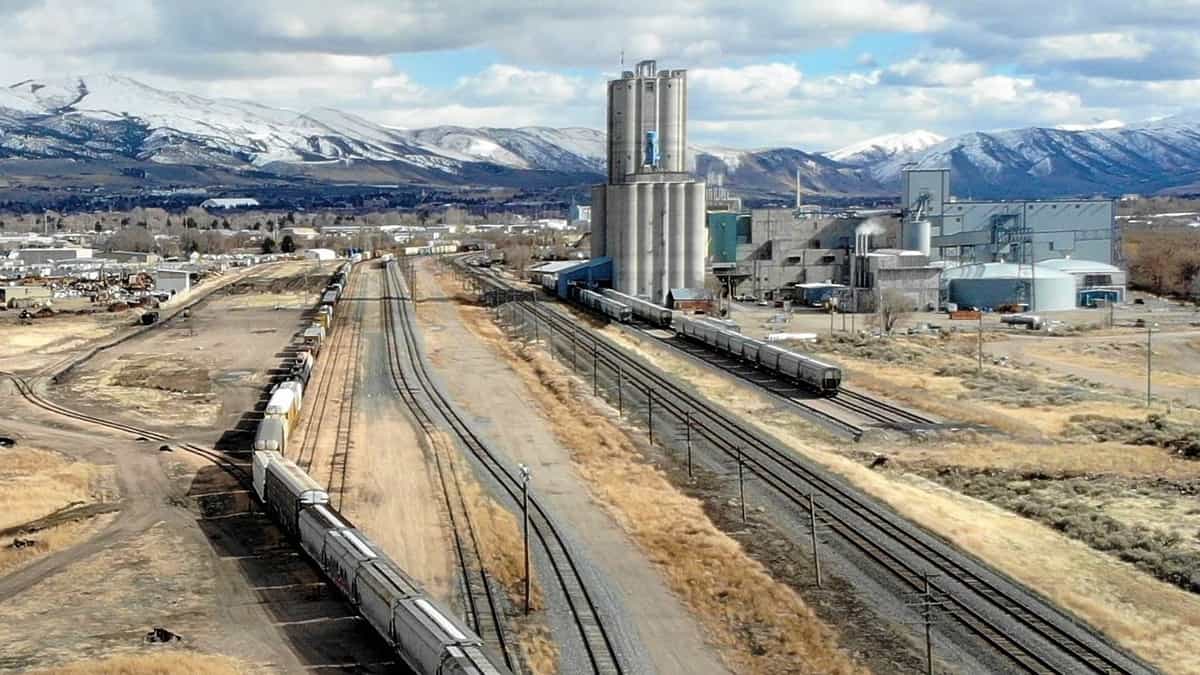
(916, 236)
(993, 285)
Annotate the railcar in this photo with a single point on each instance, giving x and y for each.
(272, 434)
(817, 375)
(606, 306)
(302, 367)
(643, 310)
(287, 491)
(294, 386)
(282, 405)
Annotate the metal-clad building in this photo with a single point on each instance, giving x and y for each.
(1024, 231)
(175, 281)
(1093, 280)
(45, 256)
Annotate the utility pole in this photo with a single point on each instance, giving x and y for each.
(812, 526)
(1149, 353)
(650, 413)
(741, 484)
(688, 440)
(525, 473)
(980, 343)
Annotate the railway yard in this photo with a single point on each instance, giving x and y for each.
(418, 464)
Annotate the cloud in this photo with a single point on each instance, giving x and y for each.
(971, 65)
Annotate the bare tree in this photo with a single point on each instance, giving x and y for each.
(893, 306)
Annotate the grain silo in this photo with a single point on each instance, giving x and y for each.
(996, 285)
(650, 216)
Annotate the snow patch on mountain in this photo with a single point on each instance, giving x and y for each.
(884, 147)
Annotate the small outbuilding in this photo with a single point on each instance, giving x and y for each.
(24, 296)
(174, 281)
(320, 254)
(694, 300)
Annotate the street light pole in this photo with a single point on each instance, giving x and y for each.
(525, 513)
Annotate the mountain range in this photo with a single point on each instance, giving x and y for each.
(117, 120)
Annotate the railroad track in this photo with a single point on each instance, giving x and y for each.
(983, 603)
(339, 456)
(484, 611)
(324, 377)
(236, 469)
(595, 639)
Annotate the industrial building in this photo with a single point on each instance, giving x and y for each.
(49, 256)
(649, 218)
(1095, 282)
(971, 231)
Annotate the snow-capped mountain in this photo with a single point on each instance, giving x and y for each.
(1040, 162)
(119, 121)
(772, 171)
(573, 149)
(881, 148)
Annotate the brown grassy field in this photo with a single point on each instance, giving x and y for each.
(1153, 618)
(164, 661)
(758, 624)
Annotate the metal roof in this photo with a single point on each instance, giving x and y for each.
(1002, 271)
(690, 294)
(556, 266)
(1080, 266)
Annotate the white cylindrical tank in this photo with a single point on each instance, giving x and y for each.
(916, 236)
(675, 241)
(662, 205)
(670, 121)
(993, 285)
(599, 237)
(645, 241)
(695, 236)
(630, 240)
(631, 139)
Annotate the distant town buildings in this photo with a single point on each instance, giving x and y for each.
(229, 203)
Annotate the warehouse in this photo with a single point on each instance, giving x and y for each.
(174, 281)
(993, 286)
(48, 256)
(24, 296)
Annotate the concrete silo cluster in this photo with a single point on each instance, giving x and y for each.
(649, 218)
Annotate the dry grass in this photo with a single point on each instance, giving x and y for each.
(48, 541)
(161, 663)
(758, 624)
(1154, 619)
(500, 539)
(539, 649)
(167, 390)
(36, 482)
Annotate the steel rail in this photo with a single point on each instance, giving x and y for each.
(589, 623)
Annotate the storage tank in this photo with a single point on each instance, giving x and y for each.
(644, 249)
(993, 285)
(627, 260)
(599, 237)
(916, 236)
(675, 237)
(662, 205)
(695, 234)
(672, 88)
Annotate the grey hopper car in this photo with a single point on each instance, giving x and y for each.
(329, 298)
(819, 376)
(423, 633)
(272, 434)
(643, 310)
(287, 491)
(606, 306)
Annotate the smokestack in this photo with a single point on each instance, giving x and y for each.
(797, 187)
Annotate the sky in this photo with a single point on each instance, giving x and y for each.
(813, 75)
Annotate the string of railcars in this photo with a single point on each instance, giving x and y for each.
(425, 636)
(819, 376)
